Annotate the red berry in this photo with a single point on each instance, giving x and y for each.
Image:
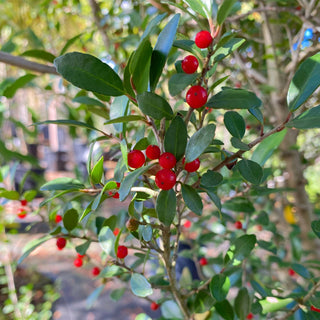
(191, 166)
(80, 255)
(259, 227)
(61, 243)
(58, 218)
(203, 39)
(23, 202)
(187, 224)
(22, 213)
(95, 271)
(196, 97)
(203, 262)
(167, 160)
(291, 272)
(136, 159)
(313, 308)
(78, 262)
(190, 64)
(237, 85)
(153, 152)
(238, 225)
(154, 306)
(114, 195)
(116, 231)
(122, 252)
(165, 179)
(250, 316)
(118, 184)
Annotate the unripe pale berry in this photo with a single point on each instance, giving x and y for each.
(203, 262)
(122, 252)
(95, 271)
(190, 64)
(191, 166)
(78, 262)
(196, 97)
(203, 39)
(165, 179)
(153, 152)
(167, 160)
(154, 306)
(238, 225)
(132, 224)
(61, 243)
(136, 159)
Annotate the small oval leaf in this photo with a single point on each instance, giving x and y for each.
(166, 206)
(250, 170)
(235, 124)
(192, 199)
(219, 286)
(140, 285)
(70, 219)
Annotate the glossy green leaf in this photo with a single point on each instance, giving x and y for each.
(235, 124)
(89, 73)
(230, 98)
(146, 233)
(152, 25)
(242, 304)
(170, 310)
(267, 147)
(219, 286)
(225, 310)
(258, 288)
(201, 7)
(179, 81)
(10, 194)
(272, 304)
(305, 81)
(69, 43)
(29, 195)
(176, 137)
(62, 184)
(238, 144)
(227, 48)
(215, 199)
(199, 142)
(142, 144)
(256, 112)
(107, 240)
(97, 171)
(32, 245)
(301, 270)
(40, 54)
(118, 109)
(11, 89)
(140, 66)
(89, 101)
(192, 199)
(130, 179)
(250, 170)
(315, 225)
(239, 204)
(140, 285)
(162, 49)
(154, 106)
(124, 119)
(224, 10)
(244, 245)
(211, 179)
(70, 219)
(166, 206)
(82, 248)
(309, 119)
(186, 45)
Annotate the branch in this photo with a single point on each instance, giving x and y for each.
(26, 64)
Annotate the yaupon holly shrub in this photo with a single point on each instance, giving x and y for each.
(217, 267)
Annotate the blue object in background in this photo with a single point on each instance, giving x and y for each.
(308, 34)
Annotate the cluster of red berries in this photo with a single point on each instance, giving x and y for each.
(196, 96)
(78, 262)
(165, 178)
(115, 195)
(22, 213)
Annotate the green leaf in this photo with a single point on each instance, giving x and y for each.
(11, 89)
(244, 245)
(215, 199)
(89, 73)
(225, 310)
(69, 43)
(89, 101)
(32, 245)
(242, 304)
(219, 286)
(192, 199)
(238, 144)
(107, 240)
(239, 204)
(124, 119)
(117, 294)
(93, 297)
(10, 194)
(258, 288)
(256, 112)
(130, 179)
(227, 48)
(70, 219)
(82, 248)
(140, 66)
(62, 184)
(142, 144)
(272, 304)
(211, 179)
(146, 233)
(224, 10)
(40, 54)
(154, 106)
(309, 119)
(235, 124)
(199, 142)
(250, 170)
(29, 195)
(176, 138)
(179, 81)
(97, 171)
(305, 81)
(166, 206)
(140, 285)
(301, 270)
(267, 147)
(162, 49)
(118, 108)
(315, 225)
(152, 25)
(170, 310)
(230, 98)
(200, 7)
